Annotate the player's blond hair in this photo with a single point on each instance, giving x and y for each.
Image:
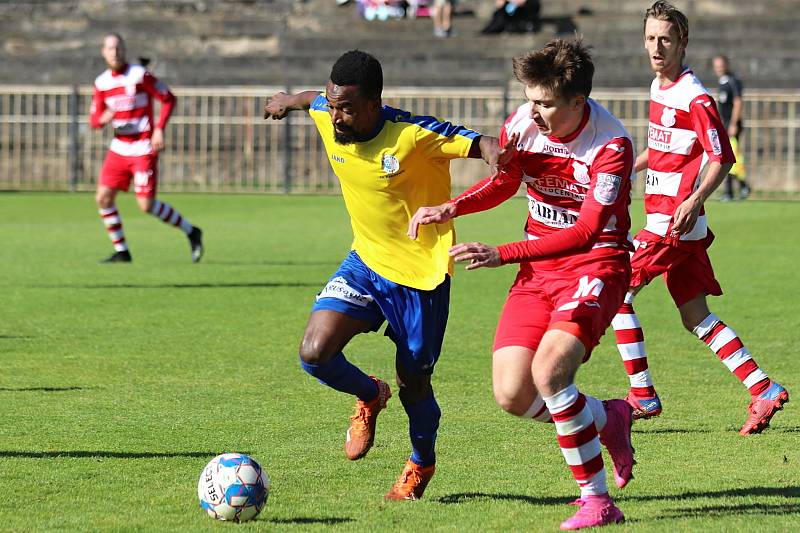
(668, 13)
(562, 68)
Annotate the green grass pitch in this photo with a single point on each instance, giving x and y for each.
(119, 382)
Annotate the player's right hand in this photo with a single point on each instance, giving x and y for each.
(277, 106)
(106, 117)
(430, 215)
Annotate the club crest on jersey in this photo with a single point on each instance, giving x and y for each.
(390, 164)
(606, 189)
(668, 117)
(580, 172)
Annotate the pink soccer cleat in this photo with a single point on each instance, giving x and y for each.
(594, 511)
(616, 437)
(763, 407)
(644, 408)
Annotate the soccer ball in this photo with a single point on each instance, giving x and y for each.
(233, 486)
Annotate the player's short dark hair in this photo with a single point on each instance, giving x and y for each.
(668, 13)
(562, 68)
(360, 69)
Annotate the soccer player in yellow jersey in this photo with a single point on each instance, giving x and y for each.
(389, 163)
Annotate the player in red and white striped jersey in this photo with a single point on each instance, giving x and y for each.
(123, 96)
(576, 160)
(685, 136)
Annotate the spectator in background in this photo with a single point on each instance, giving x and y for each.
(731, 110)
(442, 15)
(514, 16)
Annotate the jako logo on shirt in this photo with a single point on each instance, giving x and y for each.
(668, 117)
(713, 138)
(390, 164)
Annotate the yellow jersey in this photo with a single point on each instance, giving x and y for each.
(385, 179)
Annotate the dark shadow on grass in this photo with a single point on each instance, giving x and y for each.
(748, 492)
(15, 337)
(302, 520)
(104, 454)
(234, 285)
(680, 431)
(41, 389)
(715, 511)
(466, 497)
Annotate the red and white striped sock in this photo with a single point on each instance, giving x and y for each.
(538, 411)
(113, 223)
(170, 215)
(578, 439)
(630, 343)
(724, 342)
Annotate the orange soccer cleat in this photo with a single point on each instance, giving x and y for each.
(412, 482)
(361, 433)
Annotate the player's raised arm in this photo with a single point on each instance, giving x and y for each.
(280, 104)
(496, 155)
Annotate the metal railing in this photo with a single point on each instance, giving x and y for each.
(218, 142)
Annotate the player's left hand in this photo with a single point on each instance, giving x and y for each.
(504, 154)
(157, 140)
(476, 254)
(685, 217)
(733, 130)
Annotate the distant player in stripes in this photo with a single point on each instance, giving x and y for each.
(123, 97)
(576, 162)
(389, 163)
(685, 135)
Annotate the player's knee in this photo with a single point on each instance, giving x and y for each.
(145, 204)
(414, 388)
(314, 349)
(103, 199)
(509, 400)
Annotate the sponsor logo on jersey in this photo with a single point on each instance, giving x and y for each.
(580, 172)
(606, 188)
(337, 158)
(659, 139)
(713, 138)
(559, 186)
(668, 117)
(551, 215)
(557, 149)
(390, 164)
(615, 147)
(339, 289)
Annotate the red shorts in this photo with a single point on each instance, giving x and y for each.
(587, 296)
(118, 170)
(687, 271)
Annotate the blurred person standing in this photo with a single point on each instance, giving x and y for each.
(123, 97)
(442, 15)
(731, 111)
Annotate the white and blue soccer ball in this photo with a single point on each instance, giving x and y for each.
(234, 487)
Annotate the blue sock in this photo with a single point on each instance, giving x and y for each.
(340, 374)
(423, 422)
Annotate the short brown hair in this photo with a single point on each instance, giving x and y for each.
(669, 13)
(562, 68)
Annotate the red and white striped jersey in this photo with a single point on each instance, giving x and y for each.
(129, 93)
(684, 133)
(585, 176)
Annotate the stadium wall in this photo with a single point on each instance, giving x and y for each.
(217, 140)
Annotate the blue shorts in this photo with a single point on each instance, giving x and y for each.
(417, 319)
